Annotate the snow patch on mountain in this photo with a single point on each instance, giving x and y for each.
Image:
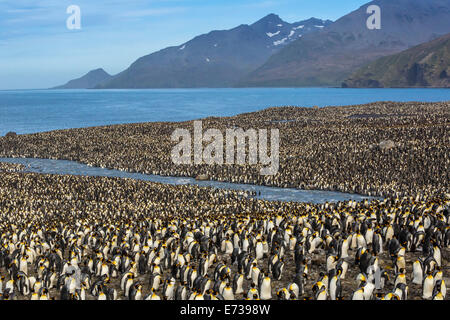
(277, 43)
(270, 35)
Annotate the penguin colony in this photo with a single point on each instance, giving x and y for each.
(73, 237)
(11, 167)
(332, 148)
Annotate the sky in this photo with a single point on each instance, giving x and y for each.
(38, 50)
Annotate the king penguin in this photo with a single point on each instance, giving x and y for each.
(427, 286)
(417, 272)
(335, 287)
(278, 269)
(265, 288)
(238, 280)
(252, 292)
(358, 294)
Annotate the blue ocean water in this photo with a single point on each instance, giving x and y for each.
(29, 111)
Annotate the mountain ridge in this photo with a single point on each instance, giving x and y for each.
(87, 81)
(425, 65)
(215, 59)
(329, 56)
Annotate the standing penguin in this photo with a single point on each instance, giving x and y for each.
(227, 293)
(127, 282)
(437, 255)
(400, 263)
(169, 289)
(155, 281)
(23, 284)
(429, 264)
(335, 287)
(331, 262)
(440, 288)
(181, 293)
(342, 265)
(428, 286)
(255, 271)
(278, 269)
(238, 280)
(135, 292)
(297, 287)
(368, 290)
(321, 294)
(252, 293)
(259, 250)
(265, 288)
(401, 290)
(2, 279)
(10, 286)
(400, 278)
(417, 273)
(358, 294)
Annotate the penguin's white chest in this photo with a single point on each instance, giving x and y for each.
(239, 283)
(358, 295)
(333, 286)
(259, 251)
(228, 293)
(368, 290)
(128, 284)
(344, 249)
(266, 289)
(228, 247)
(428, 285)
(105, 270)
(255, 274)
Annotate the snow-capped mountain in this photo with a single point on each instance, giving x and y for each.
(281, 33)
(216, 59)
(328, 57)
